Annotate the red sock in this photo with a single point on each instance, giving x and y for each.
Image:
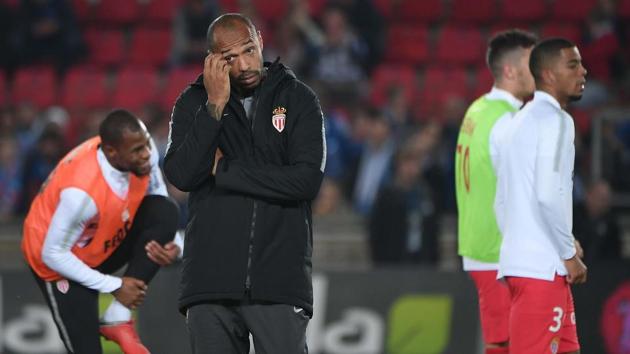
(497, 350)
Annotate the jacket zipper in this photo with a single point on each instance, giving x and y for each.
(250, 250)
(248, 282)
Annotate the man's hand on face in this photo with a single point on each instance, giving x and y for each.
(216, 80)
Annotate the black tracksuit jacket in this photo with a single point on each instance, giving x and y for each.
(249, 234)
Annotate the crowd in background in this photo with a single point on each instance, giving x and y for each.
(392, 98)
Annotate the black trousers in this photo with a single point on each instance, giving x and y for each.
(224, 327)
(75, 311)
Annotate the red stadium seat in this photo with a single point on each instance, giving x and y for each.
(425, 10)
(597, 55)
(229, 5)
(440, 85)
(458, 45)
(35, 85)
(407, 44)
(316, 7)
(387, 76)
(569, 31)
(623, 9)
(135, 88)
(176, 81)
(473, 11)
(84, 88)
(411, 11)
(161, 12)
(520, 10)
(483, 81)
(83, 10)
(106, 48)
(503, 26)
(571, 10)
(150, 47)
(118, 12)
(271, 11)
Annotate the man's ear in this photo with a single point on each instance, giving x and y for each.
(548, 76)
(508, 72)
(109, 151)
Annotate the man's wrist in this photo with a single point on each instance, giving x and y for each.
(214, 110)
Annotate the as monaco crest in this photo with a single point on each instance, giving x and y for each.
(279, 118)
(63, 286)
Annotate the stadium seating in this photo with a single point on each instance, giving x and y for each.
(482, 82)
(473, 11)
(623, 9)
(569, 31)
(118, 12)
(160, 12)
(229, 5)
(150, 47)
(407, 44)
(271, 11)
(519, 10)
(84, 87)
(315, 7)
(106, 47)
(440, 85)
(83, 10)
(385, 77)
(176, 81)
(410, 11)
(35, 85)
(135, 87)
(571, 10)
(459, 46)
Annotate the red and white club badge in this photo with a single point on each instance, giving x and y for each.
(63, 286)
(279, 118)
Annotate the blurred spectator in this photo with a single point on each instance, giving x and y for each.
(369, 24)
(403, 225)
(189, 31)
(24, 127)
(374, 164)
(595, 225)
(614, 158)
(10, 184)
(39, 162)
(398, 111)
(290, 45)
(47, 32)
(339, 66)
(454, 109)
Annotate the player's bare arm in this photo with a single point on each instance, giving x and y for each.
(576, 270)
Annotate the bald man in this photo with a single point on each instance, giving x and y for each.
(247, 142)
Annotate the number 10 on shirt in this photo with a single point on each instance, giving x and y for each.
(464, 165)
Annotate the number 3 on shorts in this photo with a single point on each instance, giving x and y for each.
(557, 319)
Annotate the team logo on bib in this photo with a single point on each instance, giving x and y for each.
(279, 118)
(63, 286)
(125, 215)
